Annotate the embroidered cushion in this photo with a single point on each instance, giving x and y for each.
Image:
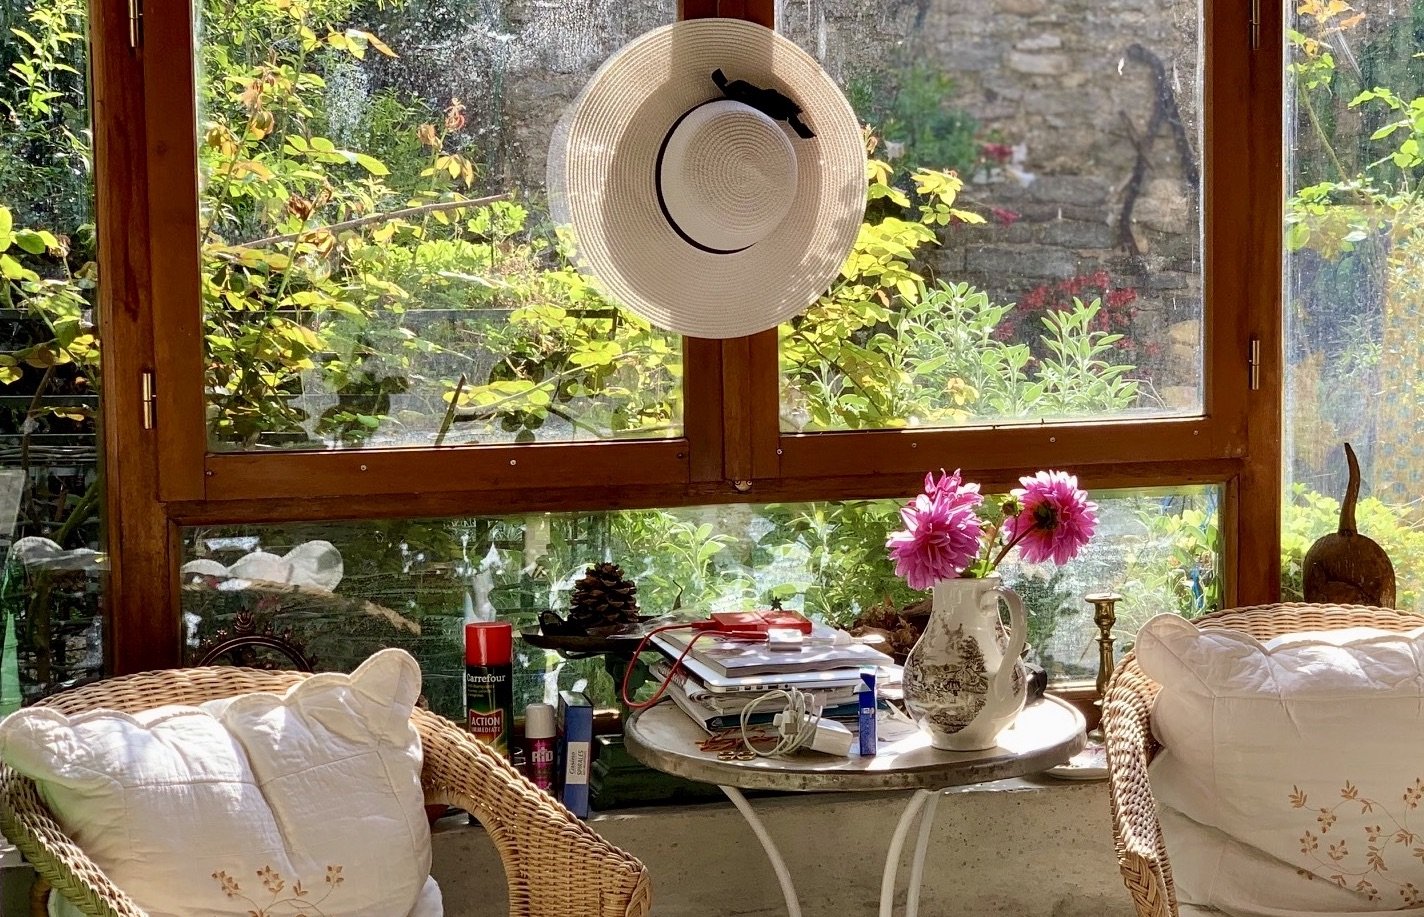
(261, 804)
(1292, 774)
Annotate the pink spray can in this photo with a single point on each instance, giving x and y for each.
(539, 745)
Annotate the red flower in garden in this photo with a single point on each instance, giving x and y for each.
(999, 152)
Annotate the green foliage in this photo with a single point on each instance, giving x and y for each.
(363, 277)
(1188, 582)
(834, 555)
(1049, 601)
(1310, 515)
(1368, 175)
(675, 561)
(912, 106)
(887, 347)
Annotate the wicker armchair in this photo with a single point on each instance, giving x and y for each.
(556, 865)
(1127, 725)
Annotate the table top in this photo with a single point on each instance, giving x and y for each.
(1047, 733)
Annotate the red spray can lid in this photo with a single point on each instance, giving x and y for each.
(489, 643)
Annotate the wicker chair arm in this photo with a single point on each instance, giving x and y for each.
(26, 822)
(1137, 834)
(555, 864)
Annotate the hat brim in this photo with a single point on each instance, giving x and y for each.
(603, 168)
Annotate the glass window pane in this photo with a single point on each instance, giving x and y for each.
(413, 583)
(1032, 251)
(50, 496)
(378, 265)
(1354, 255)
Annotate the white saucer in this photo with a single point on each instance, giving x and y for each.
(1089, 764)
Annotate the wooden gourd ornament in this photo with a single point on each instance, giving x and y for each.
(1347, 568)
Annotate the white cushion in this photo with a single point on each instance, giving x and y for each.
(257, 804)
(1292, 773)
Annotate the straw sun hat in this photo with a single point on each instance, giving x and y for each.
(713, 176)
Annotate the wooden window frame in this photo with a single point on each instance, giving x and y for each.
(732, 448)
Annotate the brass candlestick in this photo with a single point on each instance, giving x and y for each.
(1104, 616)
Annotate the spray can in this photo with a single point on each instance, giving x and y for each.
(489, 682)
(539, 745)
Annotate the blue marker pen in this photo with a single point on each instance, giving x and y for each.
(867, 712)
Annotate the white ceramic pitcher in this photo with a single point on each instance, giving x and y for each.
(963, 683)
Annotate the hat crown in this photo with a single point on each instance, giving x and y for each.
(727, 176)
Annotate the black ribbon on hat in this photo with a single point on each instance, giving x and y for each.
(767, 101)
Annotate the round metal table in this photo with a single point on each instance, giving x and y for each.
(1047, 733)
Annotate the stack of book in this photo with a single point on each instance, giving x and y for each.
(720, 676)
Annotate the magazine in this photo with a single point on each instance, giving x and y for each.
(825, 649)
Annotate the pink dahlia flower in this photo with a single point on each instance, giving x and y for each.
(941, 534)
(1055, 520)
(952, 487)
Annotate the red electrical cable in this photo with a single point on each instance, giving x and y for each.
(702, 629)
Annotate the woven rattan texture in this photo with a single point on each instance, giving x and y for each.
(1127, 723)
(556, 866)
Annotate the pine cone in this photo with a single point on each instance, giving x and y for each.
(603, 598)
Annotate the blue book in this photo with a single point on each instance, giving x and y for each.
(575, 736)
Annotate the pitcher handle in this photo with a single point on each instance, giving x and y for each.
(1018, 636)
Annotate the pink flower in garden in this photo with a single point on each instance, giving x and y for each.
(1055, 518)
(941, 534)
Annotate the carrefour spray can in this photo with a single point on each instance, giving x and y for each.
(489, 682)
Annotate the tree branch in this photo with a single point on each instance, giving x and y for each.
(375, 218)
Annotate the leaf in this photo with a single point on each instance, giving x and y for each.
(372, 164)
(31, 241)
(10, 269)
(379, 45)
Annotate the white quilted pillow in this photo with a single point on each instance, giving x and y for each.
(308, 802)
(1292, 774)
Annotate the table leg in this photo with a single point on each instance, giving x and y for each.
(917, 866)
(897, 844)
(783, 875)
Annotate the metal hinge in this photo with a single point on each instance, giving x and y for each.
(1255, 25)
(147, 386)
(1253, 364)
(135, 23)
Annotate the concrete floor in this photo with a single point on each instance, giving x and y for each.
(1018, 847)
(1021, 848)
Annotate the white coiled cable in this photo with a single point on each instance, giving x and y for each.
(799, 718)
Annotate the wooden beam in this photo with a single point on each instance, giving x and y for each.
(703, 408)
(564, 495)
(762, 12)
(350, 473)
(1257, 561)
(141, 612)
(170, 111)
